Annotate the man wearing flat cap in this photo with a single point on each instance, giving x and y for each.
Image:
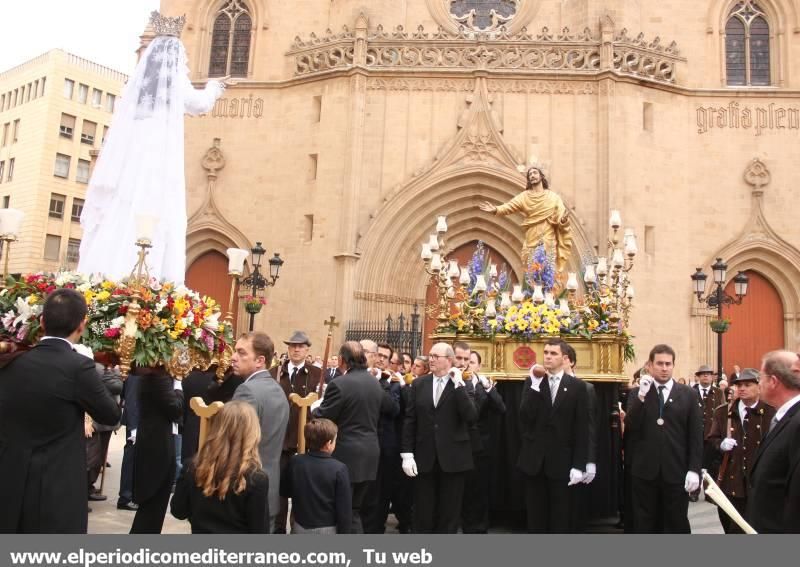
(736, 434)
(710, 398)
(295, 376)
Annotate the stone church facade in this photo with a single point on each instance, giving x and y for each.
(354, 123)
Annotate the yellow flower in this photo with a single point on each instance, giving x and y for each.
(107, 285)
(493, 323)
(174, 334)
(103, 295)
(32, 299)
(593, 324)
(88, 295)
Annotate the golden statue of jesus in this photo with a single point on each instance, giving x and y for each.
(546, 218)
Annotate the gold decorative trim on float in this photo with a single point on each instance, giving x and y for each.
(600, 359)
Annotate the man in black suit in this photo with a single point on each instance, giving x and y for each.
(355, 403)
(44, 394)
(333, 368)
(436, 435)
(130, 419)
(555, 431)
(710, 398)
(160, 408)
(664, 430)
(773, 503)
(195, 385)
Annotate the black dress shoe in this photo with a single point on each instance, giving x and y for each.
(127, 506)
(95, 497)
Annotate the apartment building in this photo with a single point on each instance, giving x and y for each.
(55, 111)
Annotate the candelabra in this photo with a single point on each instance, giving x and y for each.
(608, 279)
(435, 268)
(10, 224)
(256, 281)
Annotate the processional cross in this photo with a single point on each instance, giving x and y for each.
(305, 402)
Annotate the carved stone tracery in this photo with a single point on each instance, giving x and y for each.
(466, 49)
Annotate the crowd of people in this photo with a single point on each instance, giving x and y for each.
(389, 434)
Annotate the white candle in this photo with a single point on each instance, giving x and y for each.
(616, 219)
(492, 270)
(618, 260)
(480, 284)
(549, 300)
(629, 293)
(11, 222)
(602, 266)
(537, 296)
(146, 227)
(441, 223)
(590, 277)
(436, 262)
(505, 300)
(572, 281)
(433, 243)
(491, 311)
(426, 251)
(453, 271)
(236, 258)
(563, 306)
(451, 291)
(517, 296)
(464, 279)
(631, 248)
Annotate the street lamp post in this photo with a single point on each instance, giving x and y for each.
(256, 281)
(717, 298)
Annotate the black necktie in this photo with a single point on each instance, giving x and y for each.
(661, 400)
(705, 393)
(293, 376)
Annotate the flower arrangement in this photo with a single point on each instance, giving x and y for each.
(170, 317)
(541, 308)
(254, 303)
(719, 325)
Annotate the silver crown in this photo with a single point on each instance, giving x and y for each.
(164, 25)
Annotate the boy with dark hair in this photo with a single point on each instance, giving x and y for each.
(318, 484)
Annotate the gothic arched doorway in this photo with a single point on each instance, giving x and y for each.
(757, 325)
(208, 275)
(463, 255)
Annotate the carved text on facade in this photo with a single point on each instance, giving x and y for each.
(758, 119)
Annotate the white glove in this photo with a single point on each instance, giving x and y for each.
(84, 350)
(315, 405)
(399, 379)
(591, 472)
(486, 383)
(409, 464)
(456, 377)
(692, 482)
(644, 386)
(132, 438)
(727, 444)
(177, 385)
(575, 477)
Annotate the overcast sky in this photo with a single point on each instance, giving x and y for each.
(104, 31)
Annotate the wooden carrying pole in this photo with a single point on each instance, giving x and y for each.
(205, 413)
(305, 403)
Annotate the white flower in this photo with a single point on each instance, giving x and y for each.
(84, 350)
(181, 291)
(212, 322)
(24, 311)
(198, 333)
(8, 319)
(84, 287)
(117, 322)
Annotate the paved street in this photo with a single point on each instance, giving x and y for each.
(106, 519)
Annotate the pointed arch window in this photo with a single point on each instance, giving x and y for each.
(747, 46)
(230, 40)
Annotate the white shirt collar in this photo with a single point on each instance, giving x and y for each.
(743, 409)
(786, 407)
(58, 339)
(558, 375)
(667, 385)
(291, 367)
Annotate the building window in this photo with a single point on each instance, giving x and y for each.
(11, 169)
(5, 133)
(747, 46)
(73, 250)
(16, 93)
(6, 201)
(69, 87)
(83, 93)
(77, 209)
(88, 132)
(97, 96)
(52, 246)
(110, 101)
(44, 79)
(82, 175)
(36, 89)
(67, 126)
(2, 168)
(62, 166)
(15, 137)
(57, 205)
(230, 41)
(28, 96)
(105, 133)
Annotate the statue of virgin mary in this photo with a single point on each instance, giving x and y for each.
(140, 171)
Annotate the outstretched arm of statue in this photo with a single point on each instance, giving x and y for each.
(487, 207)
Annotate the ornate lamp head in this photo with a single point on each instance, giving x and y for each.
(164, 25)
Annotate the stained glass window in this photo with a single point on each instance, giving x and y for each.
(230, 41)
(747, 45)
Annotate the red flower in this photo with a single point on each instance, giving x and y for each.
(111, 333)
(122, 309)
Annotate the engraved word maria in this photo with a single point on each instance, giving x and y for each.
(758, 119)
(239, 107)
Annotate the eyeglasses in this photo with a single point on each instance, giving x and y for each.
(433, 356)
